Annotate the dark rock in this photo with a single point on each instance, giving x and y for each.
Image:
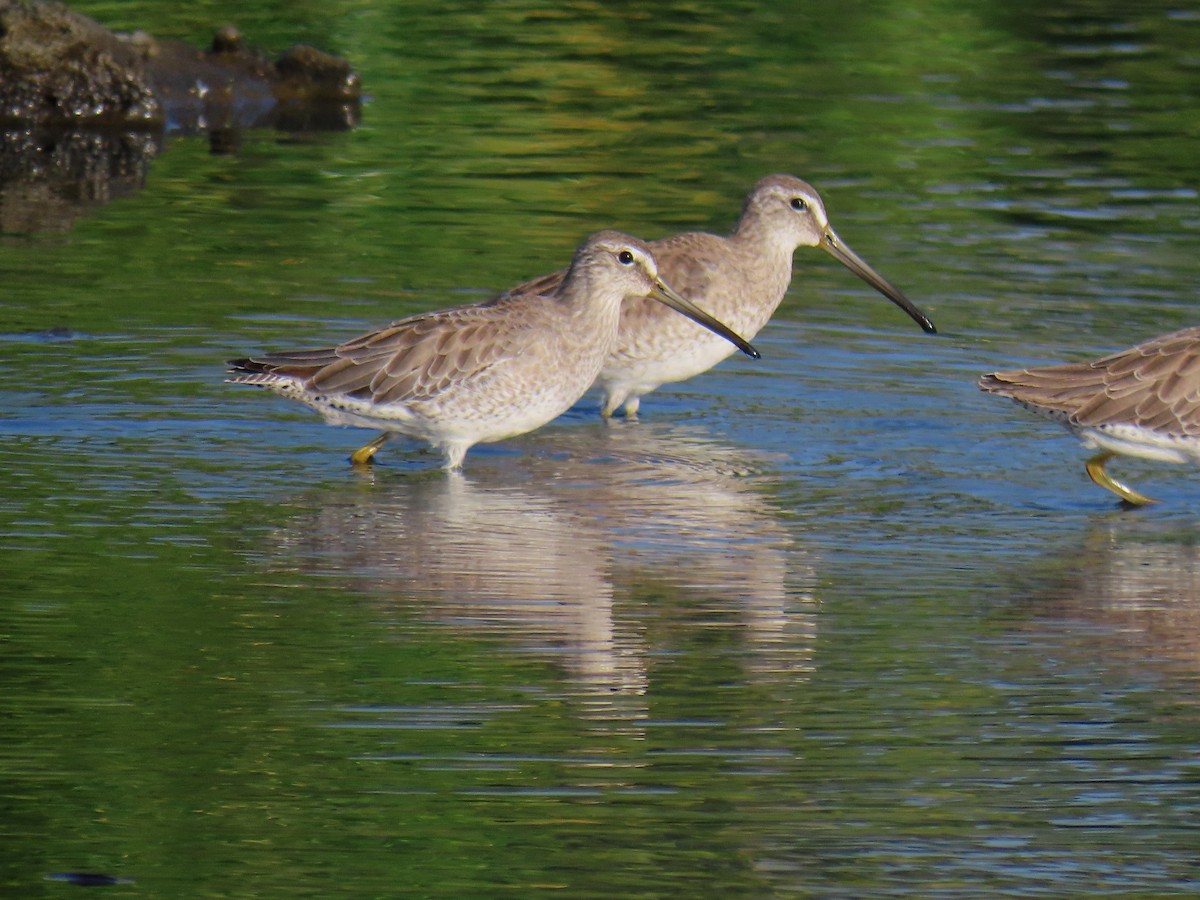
(61, 68)
(84, 110)
(57, 66)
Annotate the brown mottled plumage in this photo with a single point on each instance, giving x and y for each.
(1144, 401)
(483, 372)
(740, 279)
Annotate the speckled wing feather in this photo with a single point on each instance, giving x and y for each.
(691, 261)
(410, 360)
(543, 284)
(1155, 385)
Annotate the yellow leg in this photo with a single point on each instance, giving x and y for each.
(363, 455)
(1096, 472)
(613, 400)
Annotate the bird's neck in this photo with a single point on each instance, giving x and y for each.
(754, 240)
(753, 230)
(589, 302)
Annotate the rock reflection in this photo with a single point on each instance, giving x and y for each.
(48, 180)
(1141, 589)
(559, 553)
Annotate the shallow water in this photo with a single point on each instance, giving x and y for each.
(829, 624)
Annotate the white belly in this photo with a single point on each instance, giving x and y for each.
(1131, 440)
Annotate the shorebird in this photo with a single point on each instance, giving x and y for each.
(483, 372)
(740, 279)
(1144, 402)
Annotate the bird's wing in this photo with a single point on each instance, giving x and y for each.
(410, 360)
(1155, 385)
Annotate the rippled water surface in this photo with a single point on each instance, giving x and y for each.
(830, 624)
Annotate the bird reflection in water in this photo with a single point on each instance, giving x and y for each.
(1138, 590)
(547, 550)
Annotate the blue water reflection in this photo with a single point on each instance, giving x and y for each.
(547, 550)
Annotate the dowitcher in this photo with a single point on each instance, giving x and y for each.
(740, 279)
(1144, 402)
(483, 372)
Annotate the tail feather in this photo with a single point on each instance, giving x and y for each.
(275, 368)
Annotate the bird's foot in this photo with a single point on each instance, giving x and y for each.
(365, 455)
(1098, 474)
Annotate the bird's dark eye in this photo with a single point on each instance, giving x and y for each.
(625, 258)
(798, 204)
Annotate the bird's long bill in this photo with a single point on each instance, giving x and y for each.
(681, 304)
(832, 244)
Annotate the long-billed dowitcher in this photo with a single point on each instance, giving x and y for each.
(1144, 402)
(483, 372)
(740, 279)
